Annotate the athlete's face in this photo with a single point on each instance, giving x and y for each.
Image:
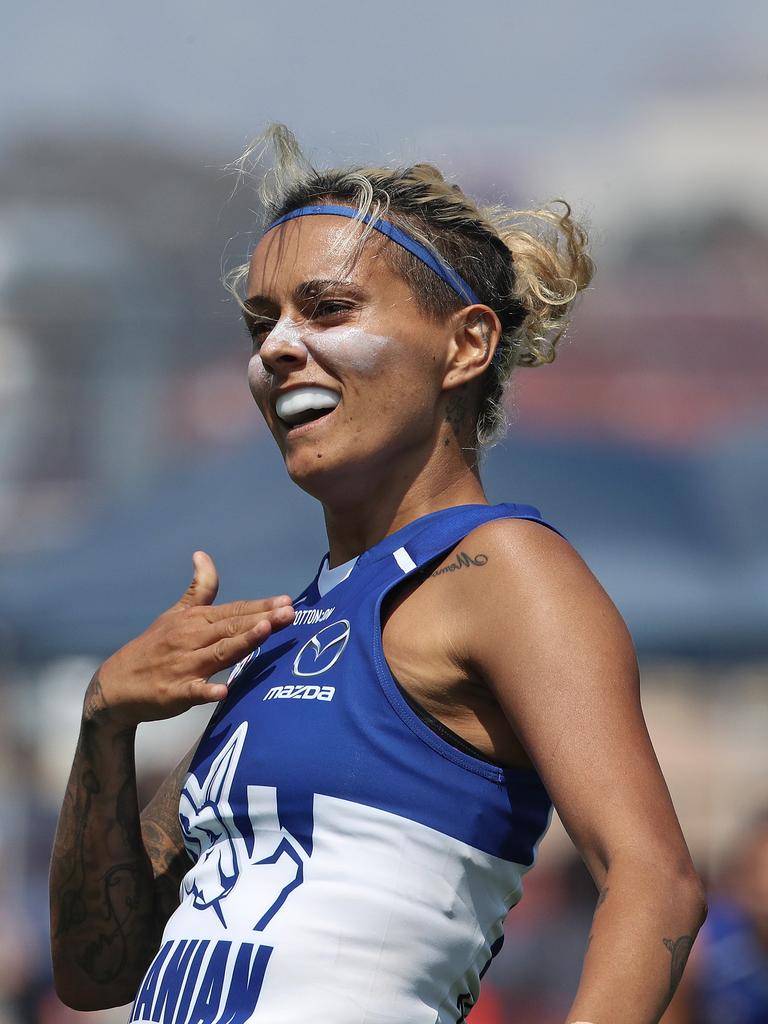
(356, 336)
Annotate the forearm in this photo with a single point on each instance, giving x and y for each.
(643, 929)
(101, 884)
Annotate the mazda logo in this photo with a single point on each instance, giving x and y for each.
(323, 650)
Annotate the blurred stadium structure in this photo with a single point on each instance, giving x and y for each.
(129, 439)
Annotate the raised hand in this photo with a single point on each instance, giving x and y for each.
(166, 670)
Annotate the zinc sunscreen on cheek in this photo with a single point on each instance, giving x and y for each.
(350, 348)
(259, 378)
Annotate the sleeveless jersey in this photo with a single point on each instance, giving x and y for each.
(350, 864)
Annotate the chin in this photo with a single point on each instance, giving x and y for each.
(310, 467)
(332, 478)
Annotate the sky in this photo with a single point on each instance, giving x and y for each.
(629, 111)
(353, 77)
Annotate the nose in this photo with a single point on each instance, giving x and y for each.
(283, 348)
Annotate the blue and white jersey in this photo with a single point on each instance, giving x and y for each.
(349, 864)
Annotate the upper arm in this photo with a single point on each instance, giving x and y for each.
(163, 841)
(559, 659)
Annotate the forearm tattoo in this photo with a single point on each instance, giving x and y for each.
(101, 880)
(679, 949)
(164, 843)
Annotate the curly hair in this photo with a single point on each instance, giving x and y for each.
(527, 265)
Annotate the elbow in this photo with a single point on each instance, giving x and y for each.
(699, 899)
(73, 995)
(88, 1002)
(677, 886)
(87, 997)
(687, 891)
(75, 1000)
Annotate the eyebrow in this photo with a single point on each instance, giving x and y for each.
(257, 305)
(320, 285)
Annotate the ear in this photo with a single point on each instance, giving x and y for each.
(476, 333)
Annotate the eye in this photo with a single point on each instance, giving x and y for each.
(258, 327)
(329, 308)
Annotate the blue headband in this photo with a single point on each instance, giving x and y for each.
(421, 252)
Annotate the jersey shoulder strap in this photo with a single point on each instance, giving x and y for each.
(423, 540)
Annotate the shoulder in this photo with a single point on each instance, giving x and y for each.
(527, 538)
(531, 582)
(520, 554)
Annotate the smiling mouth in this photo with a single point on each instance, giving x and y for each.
(300, 406)
(310, 416)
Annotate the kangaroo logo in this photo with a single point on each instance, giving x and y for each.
(323, 650)
(275, 865)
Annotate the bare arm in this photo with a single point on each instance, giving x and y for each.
(558, 657)
(115, 875)
(102, 904)
(114, 879)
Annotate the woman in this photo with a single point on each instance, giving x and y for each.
(345, 841)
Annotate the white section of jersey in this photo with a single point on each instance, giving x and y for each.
(386, 920)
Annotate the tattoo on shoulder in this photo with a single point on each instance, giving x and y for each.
(679, 949)
(462, 561)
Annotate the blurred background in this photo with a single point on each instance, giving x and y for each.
(128, 437)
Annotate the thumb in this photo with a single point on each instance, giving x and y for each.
(205, 582)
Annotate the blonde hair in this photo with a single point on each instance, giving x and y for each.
(527, 265)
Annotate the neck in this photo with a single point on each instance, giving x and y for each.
(356, 524)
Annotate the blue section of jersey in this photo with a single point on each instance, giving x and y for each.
(325, 715)
(731, 980)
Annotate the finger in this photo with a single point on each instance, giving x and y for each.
(240, 625)
(206, 693)
(228, 651)
(204, 585)
(238, 608)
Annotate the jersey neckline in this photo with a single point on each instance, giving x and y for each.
(328, 578)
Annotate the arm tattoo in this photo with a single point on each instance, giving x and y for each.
(169, 865)
(462, 561)
(679, 949)
(164, 842)
(94, 701)
(101, 887)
